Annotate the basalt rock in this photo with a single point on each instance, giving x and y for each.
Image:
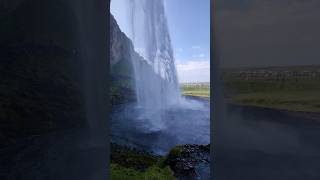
(186, 161)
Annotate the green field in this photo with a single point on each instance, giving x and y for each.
(292, 94)
(202, 90)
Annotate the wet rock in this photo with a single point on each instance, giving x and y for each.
(188, 161)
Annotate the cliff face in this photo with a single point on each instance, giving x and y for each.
(122, 72)
(121, 69)
(120, 51)
(39, 78)
(40, 73)
(122, 54)
(45, 107)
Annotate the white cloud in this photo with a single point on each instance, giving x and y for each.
(193, 71)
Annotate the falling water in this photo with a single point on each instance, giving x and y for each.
(156, 80)
(163, 118)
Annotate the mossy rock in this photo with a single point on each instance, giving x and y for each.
(173, 154)
(132, 158)
(183, 159)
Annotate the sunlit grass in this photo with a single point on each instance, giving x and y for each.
(301, 95)
(194, 90)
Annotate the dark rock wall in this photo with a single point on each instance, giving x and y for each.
(122, 54)
(53, 89)
(122, 73)
(39, 71)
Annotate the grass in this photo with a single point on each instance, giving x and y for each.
(193, 90)
(300, 95)
(127, 163)
(292, 101)
(153, 173)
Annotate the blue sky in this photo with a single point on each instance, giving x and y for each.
(189, 26)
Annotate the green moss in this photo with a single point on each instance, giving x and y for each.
(173, 154)
(132, 159)
(122, 68)
(118, 172)
(127, 163)
(122, 82)
(176, 151)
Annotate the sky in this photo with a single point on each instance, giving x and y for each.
(189, 27)
(268, 32)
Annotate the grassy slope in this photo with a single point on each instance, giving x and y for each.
(301, 94)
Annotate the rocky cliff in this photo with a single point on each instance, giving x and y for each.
(44, 90)
(122, 73)
(40, 85)
(41, 88)
(121, 68)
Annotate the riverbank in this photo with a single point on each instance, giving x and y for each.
(294, 101)
(290, 113)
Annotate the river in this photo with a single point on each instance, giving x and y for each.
(260, 143)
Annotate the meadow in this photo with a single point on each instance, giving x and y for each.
(196, 89)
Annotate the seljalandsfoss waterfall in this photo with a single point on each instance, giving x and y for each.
(159, 118)
(148, 111)
(157, 85)
(156, 82)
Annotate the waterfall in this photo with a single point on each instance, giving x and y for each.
(156, 78)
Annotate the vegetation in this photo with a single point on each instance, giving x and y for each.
(200, 90)
(292, 101)
(153, 173)
(173, 154)
(128, 163)
(121, 92)
(122, 84)
(292, 94)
